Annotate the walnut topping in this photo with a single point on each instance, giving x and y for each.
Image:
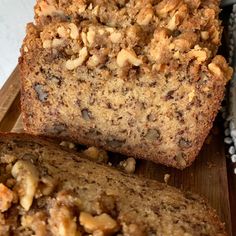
(178, 17)
(201, 54)
(78, 6)
(66, 197)
(133, 230)
(61, 31)
(67, 144)
(205, 35)
(90, 36)
(73, 64)
(46, 186)
(103, 222)
(6, 198)
(115, 37)
(36, 222)
(57, 42)
(27, 178)
(128, 165)
(185, 41)
(84, 38)
(95, 11)
(127, 55)
(74, 33)
(7, 159)
(145, 15)
(218, 67)
(166, 6)
(52, 43)
(62, 222)
(96, 154)
(166, 178)
(47, 43)
(46, 9)
(93, 61)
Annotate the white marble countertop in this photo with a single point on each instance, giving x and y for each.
(14, 14)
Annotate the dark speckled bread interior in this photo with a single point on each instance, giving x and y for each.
(48, 191)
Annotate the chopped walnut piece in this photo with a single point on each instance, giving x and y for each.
(145, 15)
(46, 186)
(178, 17)
(62, 221)
(47, 43)
(201, 54)
(205, 35)
(6, 198)
(61, 31)
(7, 159)
(90, 36)
(36, 222)
(79, 6)
(74, 33)
(133, 230)
(166, 6)
(166, 178)
(96, 154)
(57, 42)
(27, 178)
(73, 64)
(128, 165)
(115, 37)
(103, 222)
(67, 144)
(127, 55)
(67, 198)
(93, 61)
(218, 66)
(185, 41)
(46, 9)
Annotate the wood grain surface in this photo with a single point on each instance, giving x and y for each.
(208, 175)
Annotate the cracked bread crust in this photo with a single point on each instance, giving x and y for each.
(141, 78)
(50, 191)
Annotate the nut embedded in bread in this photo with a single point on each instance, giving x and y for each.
(45, 190)
(137, 77)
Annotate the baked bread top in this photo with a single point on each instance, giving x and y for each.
(45, 190)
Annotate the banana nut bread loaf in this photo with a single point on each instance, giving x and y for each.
(46, 191)
(139, 77)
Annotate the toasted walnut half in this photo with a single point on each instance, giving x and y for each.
(73, 64)
(6, 198)
(62, 221)
(145, 15)
(36, 222)
(103, 222)
(96, 154)
(27, 178)
(127, 55)
(219, 67)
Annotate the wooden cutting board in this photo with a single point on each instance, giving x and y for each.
(207, 176)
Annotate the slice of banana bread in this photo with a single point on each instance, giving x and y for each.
(46, 191)
(136, 77)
